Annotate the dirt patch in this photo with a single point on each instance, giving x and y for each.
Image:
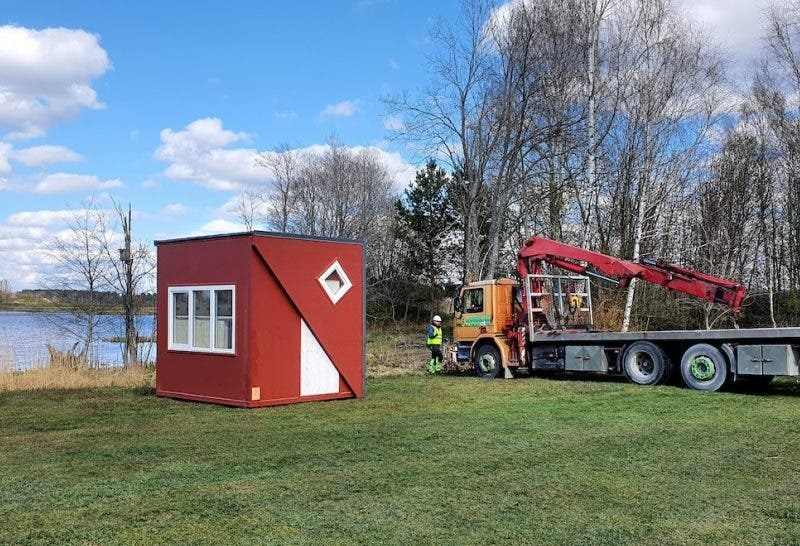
(395, 351)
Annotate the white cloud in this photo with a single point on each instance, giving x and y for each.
(46, 76)
(5, 152)
(24, 239)
(150, 184)
(400, 171)
(174, 209)
(40, 218)
(13, 232)
(220, 225)
(64, 182)
(342, 109)
(48, 154)
(737, 26)
(199, 153)
(393, 123)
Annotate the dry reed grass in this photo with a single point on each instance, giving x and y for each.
(69, 371)
(54, 377)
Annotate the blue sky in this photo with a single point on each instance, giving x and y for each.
(257, 74)
(163, 104)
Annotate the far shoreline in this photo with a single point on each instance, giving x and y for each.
(66, 309)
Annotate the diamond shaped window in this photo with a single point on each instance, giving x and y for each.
(335, 282)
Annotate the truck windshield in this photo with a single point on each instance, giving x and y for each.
(473, 300)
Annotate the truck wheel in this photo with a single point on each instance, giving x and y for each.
(645, 363)
(703, 367)
(487, 362)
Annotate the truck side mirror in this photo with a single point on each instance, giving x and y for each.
(457, 307)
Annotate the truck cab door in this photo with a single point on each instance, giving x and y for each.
(476, 313)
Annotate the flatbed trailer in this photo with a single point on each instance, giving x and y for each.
(708, 358)
(742, 335)
(544, 322)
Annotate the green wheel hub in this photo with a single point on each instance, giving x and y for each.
(702, 368)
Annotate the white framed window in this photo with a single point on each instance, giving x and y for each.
(335, 282)
(202, 319)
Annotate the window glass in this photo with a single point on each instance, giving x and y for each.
(180, 318)
(223, 329)
(201, 333)
(473, 300)
(334, 282)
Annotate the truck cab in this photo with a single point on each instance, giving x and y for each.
(483, 315)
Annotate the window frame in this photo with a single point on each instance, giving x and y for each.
(189, 346)
(346, 283)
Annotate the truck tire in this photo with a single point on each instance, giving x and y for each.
(646, 363)
(704, 368)
(487, 362)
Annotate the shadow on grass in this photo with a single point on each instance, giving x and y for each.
(782, 386)
(778, 387)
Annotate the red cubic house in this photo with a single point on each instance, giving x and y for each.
(260, 319)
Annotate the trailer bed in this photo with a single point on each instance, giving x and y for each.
(790, 336)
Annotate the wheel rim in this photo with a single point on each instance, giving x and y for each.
(645, 364)
(487, 363)
(702, 368)
(641, 365)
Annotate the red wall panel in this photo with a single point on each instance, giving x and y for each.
(297, 265)
(275, 336)
(197, 263)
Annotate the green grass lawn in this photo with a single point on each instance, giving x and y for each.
(420, 460)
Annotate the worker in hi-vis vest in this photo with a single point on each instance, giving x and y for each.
(434, 342)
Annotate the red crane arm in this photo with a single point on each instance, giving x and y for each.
(538, 250)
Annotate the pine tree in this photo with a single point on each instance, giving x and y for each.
(425, 217)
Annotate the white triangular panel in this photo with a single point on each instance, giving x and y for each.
(318, 375)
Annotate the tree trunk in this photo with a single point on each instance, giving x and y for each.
(637, 242)
(131, 350)
(591, 159)
(87, 347)
(495, 239)
(639, 233)
(471, 233)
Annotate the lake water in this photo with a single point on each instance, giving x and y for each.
(24, 337)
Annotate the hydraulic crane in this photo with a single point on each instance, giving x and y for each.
(543, 321)
(539, 250)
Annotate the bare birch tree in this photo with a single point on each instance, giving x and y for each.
(669, 104)
(79, 267)
(129, 270)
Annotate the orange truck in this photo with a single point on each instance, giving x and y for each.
(544, 323)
